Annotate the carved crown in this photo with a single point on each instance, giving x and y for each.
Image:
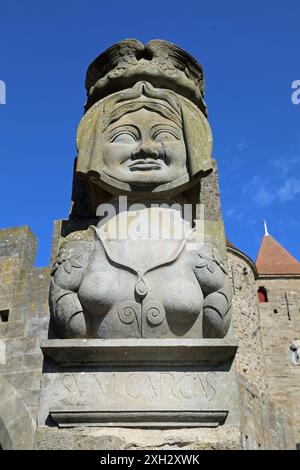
(159, 62)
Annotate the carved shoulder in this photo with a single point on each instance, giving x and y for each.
(209, 269)
(71, 263)
(215, 284)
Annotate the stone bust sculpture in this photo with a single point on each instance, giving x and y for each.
(144, 135)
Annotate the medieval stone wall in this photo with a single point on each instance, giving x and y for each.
(24, 321)
(280, 323)
(246, 321)
(265, 423)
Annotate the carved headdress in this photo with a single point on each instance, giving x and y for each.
(131, 72)
(159, 62)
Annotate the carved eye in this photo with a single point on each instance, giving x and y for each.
(165, 136)
(124, 138)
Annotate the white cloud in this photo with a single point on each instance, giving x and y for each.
(263, 193)
(260, 191)
(234, 214)
(289, 189)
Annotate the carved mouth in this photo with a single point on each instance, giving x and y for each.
(145, 165)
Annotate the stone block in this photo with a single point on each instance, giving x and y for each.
(12, 329)
(30, 397)
(138, 352)
(37, 327)
(13, 364)
(139, 383)
(32, 361)
(24, 380)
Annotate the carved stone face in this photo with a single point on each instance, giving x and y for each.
(144, 148)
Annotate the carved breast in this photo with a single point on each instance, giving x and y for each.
(151, 291)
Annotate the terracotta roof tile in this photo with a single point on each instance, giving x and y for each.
(274, 259)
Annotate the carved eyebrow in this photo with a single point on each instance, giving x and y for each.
(176, 131)
(175, 128)
(125, 127)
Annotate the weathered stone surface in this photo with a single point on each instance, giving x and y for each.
(265, 332)
(280, 325)
(139, 352)
(264, 424)
(12, 329)
(133, 439)
(11, 363)
(246, 320)
(17, 427)
(150, 383)
(37, 327)
(162, 62)
(32, 361)
(26, 292)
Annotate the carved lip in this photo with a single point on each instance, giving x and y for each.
(145, 165)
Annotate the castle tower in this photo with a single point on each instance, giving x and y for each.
(278, 285)
(266, 315)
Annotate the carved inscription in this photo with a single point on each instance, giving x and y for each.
(92, 387)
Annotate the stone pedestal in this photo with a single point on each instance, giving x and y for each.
(139, 383)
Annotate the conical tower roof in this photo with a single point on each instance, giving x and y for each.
(274, 259)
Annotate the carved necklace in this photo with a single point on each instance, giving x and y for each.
(141, 288)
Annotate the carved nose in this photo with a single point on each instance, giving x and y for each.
(146, 150)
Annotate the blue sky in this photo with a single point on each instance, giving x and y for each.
(250, 54)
